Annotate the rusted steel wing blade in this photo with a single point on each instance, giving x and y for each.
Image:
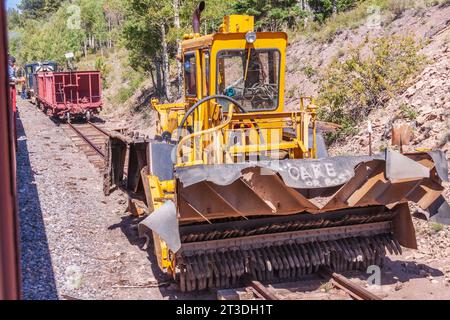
(313, 186)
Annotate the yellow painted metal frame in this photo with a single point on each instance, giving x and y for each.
(208, 121)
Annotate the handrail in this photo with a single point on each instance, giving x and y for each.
(311, 99)
(297, 120)
(207, 131)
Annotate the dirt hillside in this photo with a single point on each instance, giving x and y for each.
(427, 98)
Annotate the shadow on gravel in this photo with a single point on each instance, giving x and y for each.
(58, 121)
(166, 285)
(38, 280)
(403, 271)
(394, 271)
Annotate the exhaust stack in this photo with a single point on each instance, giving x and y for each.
(196, 16)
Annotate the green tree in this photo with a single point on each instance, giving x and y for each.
(32, 9)
(271, 14)
(146, 36)
(114, 14)
(46, 39)
(94, 24)
(323, 9)
(350, 89)
(35, 9)
(51, 6)
(152, 27)
(14, 19)
(142, 40)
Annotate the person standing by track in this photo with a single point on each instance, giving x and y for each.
(13, 81)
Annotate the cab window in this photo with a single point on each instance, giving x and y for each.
(250, 77)
(190, 74)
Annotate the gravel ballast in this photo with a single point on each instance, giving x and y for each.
(75, 242)
(78, 244)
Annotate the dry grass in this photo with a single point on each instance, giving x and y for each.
(352, 19)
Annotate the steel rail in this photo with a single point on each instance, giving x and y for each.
(339, 281)
(90, 143)
(258, 287)
(355, 291)
(106, 133)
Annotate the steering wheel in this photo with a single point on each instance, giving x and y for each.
(200, 102)
(262, 91)
(217, 96)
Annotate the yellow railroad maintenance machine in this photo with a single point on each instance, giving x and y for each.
(233, 184)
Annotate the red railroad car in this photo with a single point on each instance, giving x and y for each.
(69, 94)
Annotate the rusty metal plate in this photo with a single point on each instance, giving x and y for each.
(316, 173)
(259, 191)
(301, 236)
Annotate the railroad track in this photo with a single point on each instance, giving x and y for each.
(338, 281)
(352, 289)
(91, 139)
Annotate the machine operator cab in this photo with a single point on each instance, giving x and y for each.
(234, 99)
(238, 63)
